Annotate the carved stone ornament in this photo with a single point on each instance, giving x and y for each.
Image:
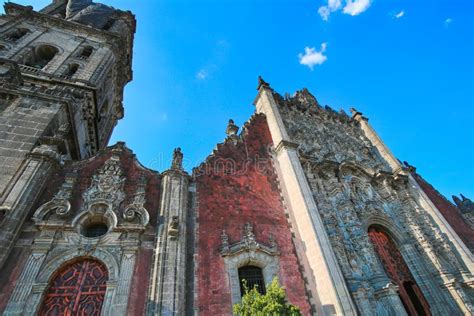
(59, 205)
(248, 243)
(107, 184)
(137, 206)
(173, 227)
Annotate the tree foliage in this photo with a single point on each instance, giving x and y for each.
(272, 303)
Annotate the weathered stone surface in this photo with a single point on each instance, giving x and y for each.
(461, 224)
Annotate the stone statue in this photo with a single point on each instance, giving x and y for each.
(177, 163)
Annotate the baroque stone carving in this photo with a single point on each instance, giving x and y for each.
(137, 206)
(59, 205)
(173, 227)
(248, 243)
(107, 184)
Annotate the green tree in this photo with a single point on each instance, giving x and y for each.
(272, 303)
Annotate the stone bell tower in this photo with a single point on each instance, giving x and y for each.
(62, 75)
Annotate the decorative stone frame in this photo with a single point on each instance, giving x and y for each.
(268, 263)
(28, 294)
(44, 277)
(248, 252)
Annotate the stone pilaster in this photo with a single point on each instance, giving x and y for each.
(125, 279)
(28, 184)
(167, 291)
(376, 141)
(325, 279)
(25, 297)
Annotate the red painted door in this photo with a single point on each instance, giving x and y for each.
(77, 289)
(397, 270)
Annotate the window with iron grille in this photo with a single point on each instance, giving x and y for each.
(254, 277)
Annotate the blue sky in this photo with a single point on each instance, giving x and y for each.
(407, 65)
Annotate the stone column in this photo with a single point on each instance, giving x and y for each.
(325, 279)
(29, 182)
(389, 303)
(167, 291)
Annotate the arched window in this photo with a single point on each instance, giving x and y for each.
(71, 70)
(398, 271)
(253, 276)
(41, 56)
(107, 26)
(86, 52)
(16, 35)
(76, 289)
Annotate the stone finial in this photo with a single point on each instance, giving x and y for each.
(357, 115)
(354, 111)
(249, 236)
(224, 241)
(465, 205)
(262, 83)
(177, 163)
(409, 167)
(231, 129)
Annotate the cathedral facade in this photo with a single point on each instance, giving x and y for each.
(301, 193)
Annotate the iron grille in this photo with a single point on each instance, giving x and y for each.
(254, 277)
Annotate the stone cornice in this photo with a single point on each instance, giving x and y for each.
(285, 144)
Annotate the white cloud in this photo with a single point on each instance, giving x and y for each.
(334, 4)
(352, 7)
(311, 57)
(448, 21)
(202, 74)
(356, 7)
(324, 12)
(399, 14)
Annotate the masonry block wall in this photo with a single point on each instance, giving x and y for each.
(22, 123)
(237, 185)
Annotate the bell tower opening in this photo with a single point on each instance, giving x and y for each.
(41, 56)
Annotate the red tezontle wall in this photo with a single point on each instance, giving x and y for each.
(228, 200)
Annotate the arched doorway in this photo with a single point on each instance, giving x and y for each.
(76, 289)
(397, 270)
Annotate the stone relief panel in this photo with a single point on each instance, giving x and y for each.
(350, 199)
(324, 134)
